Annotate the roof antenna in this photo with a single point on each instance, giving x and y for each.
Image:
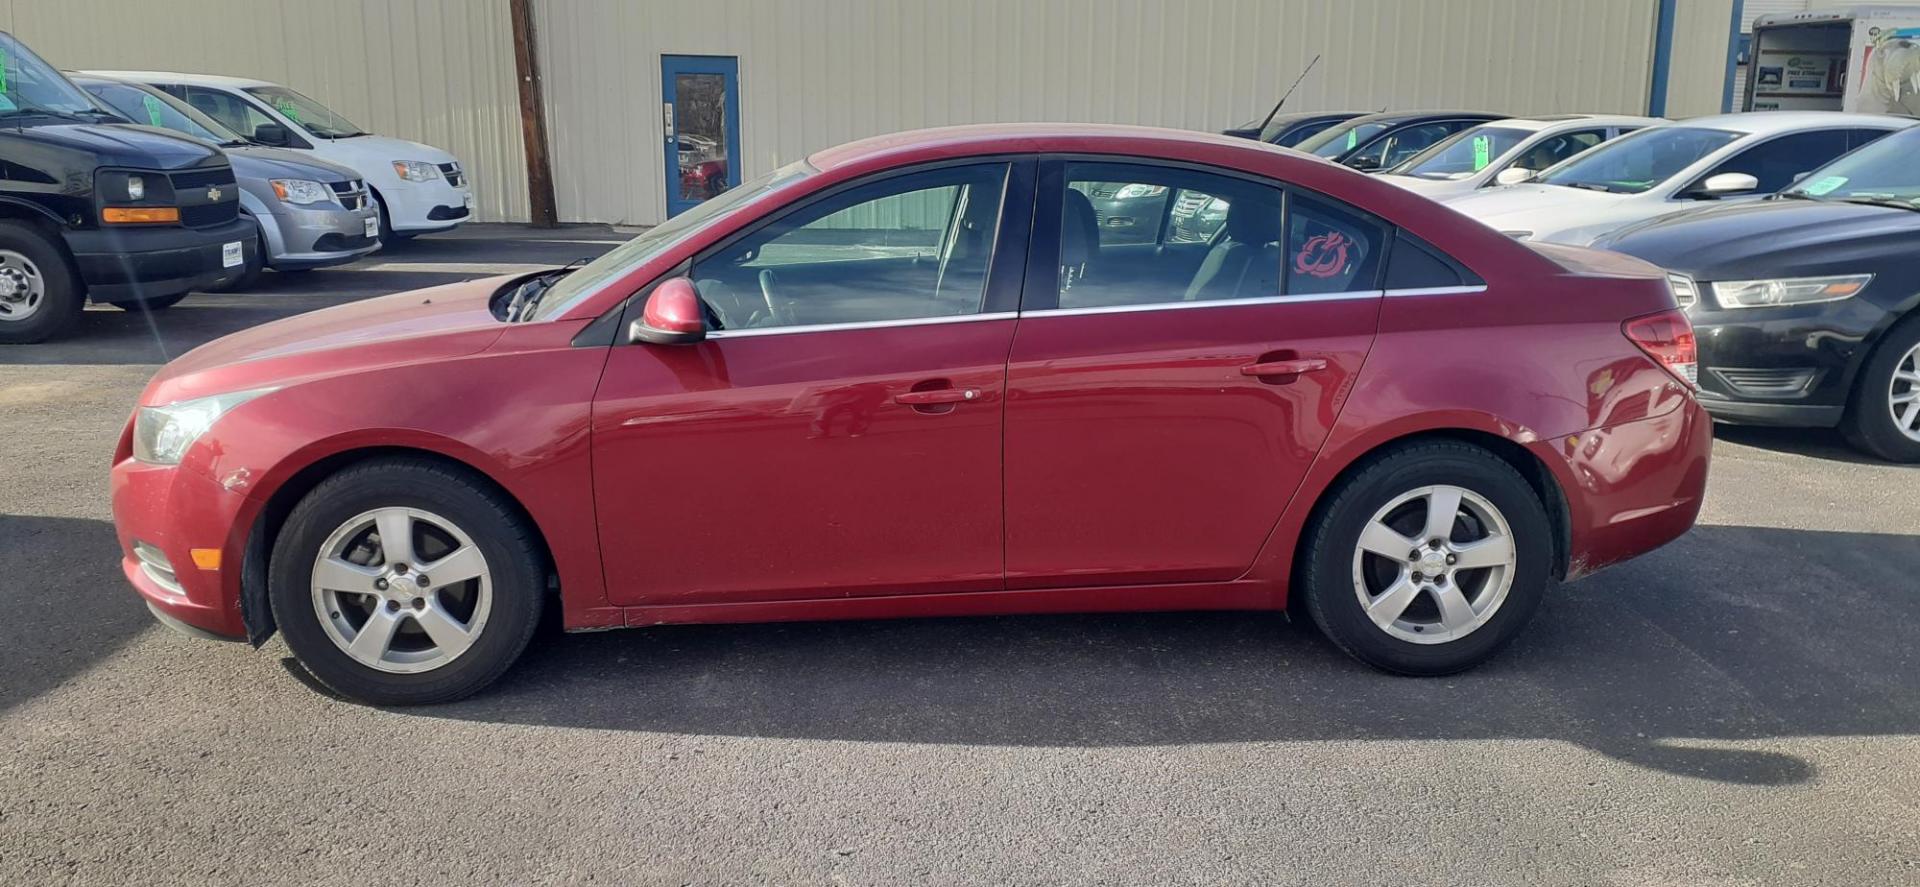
(1289, 94)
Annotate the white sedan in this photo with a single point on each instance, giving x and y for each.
(1669, 168)
(1507, 150)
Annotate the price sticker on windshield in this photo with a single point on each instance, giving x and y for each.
(1482, 152)
(1825, 185)
(153, 107)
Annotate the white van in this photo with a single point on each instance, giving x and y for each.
(420, 189)
(1863, 58)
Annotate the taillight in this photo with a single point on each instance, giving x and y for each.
(1667, 337)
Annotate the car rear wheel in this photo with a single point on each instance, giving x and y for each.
(39, 295)
(405, 582)
(1883, 417)
(1428, 559)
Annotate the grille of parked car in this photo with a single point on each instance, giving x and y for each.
(351, 194)
(452, 172)
(206, 197)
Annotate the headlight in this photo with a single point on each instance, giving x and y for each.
(1787, 290)
(161, 435)
(415, 171)
(136, 188)
(1131, 191)
(300, 191)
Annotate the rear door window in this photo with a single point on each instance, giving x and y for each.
(1331, 248)
(234, 112)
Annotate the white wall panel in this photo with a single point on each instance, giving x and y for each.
(434, 71)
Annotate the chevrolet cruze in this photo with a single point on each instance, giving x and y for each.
(911, 376)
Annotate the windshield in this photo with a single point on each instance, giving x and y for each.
(156, 108)
(1882, 172)
(1341, 138)
(623, 258)
(1637, 162)
(29, 84)
(311, 115)
(1465, 153)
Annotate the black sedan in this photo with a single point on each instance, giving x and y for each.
(1807, 304)
(1290, 129)
(1374, 142)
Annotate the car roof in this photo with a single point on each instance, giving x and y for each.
(988, 138)
(188, 79)
(1411, 116)
(1770, 122)
(1570, 121)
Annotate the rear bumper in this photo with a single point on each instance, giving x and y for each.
(1633, 487)
(175, 511)
(118, 265)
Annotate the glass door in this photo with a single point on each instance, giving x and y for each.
(700, 108)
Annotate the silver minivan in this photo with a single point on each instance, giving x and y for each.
(310, 213)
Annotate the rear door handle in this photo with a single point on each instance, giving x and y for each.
(1285, 367)
(937, 396)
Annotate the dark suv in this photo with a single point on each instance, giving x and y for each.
(131, 216)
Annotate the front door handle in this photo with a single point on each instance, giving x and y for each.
(937, 396)
(1284, 367)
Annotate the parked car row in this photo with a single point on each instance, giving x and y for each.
(134, 188)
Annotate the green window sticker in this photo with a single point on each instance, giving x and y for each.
(286, 107)
(1353, 137)
(1825, 185)
(153, 107)
(1481, 152)
(5, 65)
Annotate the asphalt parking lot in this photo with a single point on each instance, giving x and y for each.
(1742, 707)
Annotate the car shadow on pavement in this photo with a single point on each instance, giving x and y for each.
(1817, 443)
(68, 608)
(1680, 661)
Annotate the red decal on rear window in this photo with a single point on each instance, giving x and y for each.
(1323, 255)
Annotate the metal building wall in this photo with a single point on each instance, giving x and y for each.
(435, 71)
(1697, 79)
(817, 72)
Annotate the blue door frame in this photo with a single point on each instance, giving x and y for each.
(687, 188)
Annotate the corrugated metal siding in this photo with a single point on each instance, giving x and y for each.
(434, 71)
(1698, 76)
(814, 74)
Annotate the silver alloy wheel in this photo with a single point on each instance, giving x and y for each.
(22, 288)
(1434, 564)
(1903, 394)
(389, 610)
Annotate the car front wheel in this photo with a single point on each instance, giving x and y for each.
(1428, 560)
(1884, 416)
(404, 582)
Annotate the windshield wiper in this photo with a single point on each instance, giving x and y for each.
(1589, 186)
(1895, 202)
(528, 296)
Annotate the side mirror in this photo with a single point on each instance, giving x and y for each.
(672, 316)
(271, 134)
(1514, 175)
(1363, 164)
(1727, 183)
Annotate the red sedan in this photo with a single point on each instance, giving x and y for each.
(912, 376)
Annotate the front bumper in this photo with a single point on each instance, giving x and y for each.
(1782, 366)
(420, 207)
(320, 237)
(151, 262)
(174, 511)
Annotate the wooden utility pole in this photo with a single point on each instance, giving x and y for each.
(533, 116)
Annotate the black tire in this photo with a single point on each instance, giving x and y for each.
(1870, 423)
(1327, 557)
(151, 303)
(496, 528)
(388, 236)
(61, 299)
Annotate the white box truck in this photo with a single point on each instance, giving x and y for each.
(1805, 61)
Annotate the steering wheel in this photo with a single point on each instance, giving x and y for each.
(779, 314)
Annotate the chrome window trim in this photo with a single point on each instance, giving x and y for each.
(861, 325)
(1214, 303)
(1437, 291)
